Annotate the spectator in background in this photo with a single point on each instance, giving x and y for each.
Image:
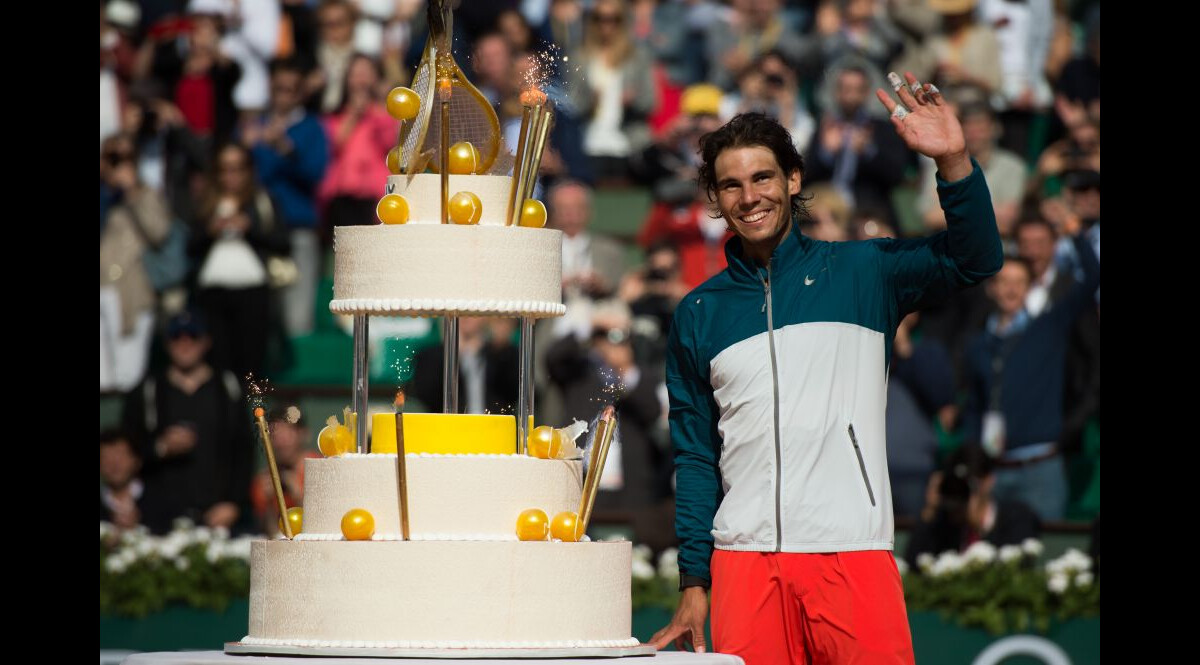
(963, 59)
(518, 33)
(1079, 82)
(616, 93)
(601, 369)
(1005, 172)
(753, 28)
(200, 76)
(593, 265)
(134, 219)
(290, 155)
(360, 133)
(325, 85)
(860, 155)
(851, 30)
(828, 214)
(564, 25)
(123, 498)
(1023, 29)
(488, 367)
(769, 86)
(234, 236)
(289, 438)
(652, 292)
(251, 39)
(920, 392)
(680, 212)
(1079, 150)
(170, 154)
(193, 430)
(1015, 380)
(960, 509)
(118, 21)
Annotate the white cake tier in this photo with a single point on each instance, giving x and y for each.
(425, 268)
(434, 594)
(463, 497)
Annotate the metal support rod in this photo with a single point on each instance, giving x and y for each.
(360, 380)
(450, 365)
(525, 393)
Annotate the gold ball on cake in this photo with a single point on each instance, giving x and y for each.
(545, 442)
(464, 158)
(335, 440)
(465, 208)
(403, 103)
(393, 161)
(533, 525)
(358, 524)
(295, 516)
(392, 209)
(565, 526)
(533, 214)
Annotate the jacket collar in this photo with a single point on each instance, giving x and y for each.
(789, 252)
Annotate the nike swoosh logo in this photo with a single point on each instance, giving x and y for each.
(808, 280)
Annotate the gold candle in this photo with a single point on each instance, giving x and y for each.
(444, 148)
(604, 435)
(401, 468)
(514, 202)
(543, 129)
(260, 416)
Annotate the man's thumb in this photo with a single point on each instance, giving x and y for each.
(698, 639)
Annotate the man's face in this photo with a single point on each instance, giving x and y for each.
(851, 92)
(118, 464)
(337, 25)
(978, 132)
(285, 91)
(1035, 244)
(288, 441)
(493, 62)
(186, 351)
(754, 194)
(1009, 287)
(1084, 202)
(569, 210)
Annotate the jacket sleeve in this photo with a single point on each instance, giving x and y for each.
(696, 443)
(922, 271)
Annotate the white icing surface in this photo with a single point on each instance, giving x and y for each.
(442, 644)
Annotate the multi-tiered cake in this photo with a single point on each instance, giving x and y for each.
(462, 581)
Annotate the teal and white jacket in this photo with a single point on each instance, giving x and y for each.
(777, 377)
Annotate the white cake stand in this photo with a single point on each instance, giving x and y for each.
(237, 648)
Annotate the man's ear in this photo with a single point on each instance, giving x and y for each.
(794, 182)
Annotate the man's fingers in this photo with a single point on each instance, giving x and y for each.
(933, 94)
(662, 638)
(886, 100)
(698, 643)
(902, 91)
(915, 89)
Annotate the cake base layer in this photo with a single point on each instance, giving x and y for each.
(438, 595)
(241, 648)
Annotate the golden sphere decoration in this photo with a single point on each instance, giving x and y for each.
(533, 524)
(358, 524)
(403, 103)
(465, 208)
(464, 158)
(393, 161)
(533, 214)
(295, 516)
(335, 440)
(545, 442)
(565, 527)
(392, 209)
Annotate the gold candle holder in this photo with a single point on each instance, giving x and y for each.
(599, 455)
(543, 130)
(514, 202)
(260, 417)
(401, 466)
(444, 147)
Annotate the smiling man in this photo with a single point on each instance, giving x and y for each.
(777, 373)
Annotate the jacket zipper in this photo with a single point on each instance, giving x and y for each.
(775, 388)
(862, 466)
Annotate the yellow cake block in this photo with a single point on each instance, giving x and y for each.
(446, 433)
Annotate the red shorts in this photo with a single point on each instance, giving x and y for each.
(838, 607)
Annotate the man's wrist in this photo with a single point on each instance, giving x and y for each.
(955, 167)
(689, 581)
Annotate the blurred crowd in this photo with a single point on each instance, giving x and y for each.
(235, 134)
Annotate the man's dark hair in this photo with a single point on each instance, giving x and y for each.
(1024, 263)
(963, 470)
(743, 131)
(976, 108)
(289, 64)
(1034, 220)
(115, 436)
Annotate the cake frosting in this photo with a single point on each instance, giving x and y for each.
(470, 496)
(425, 268)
